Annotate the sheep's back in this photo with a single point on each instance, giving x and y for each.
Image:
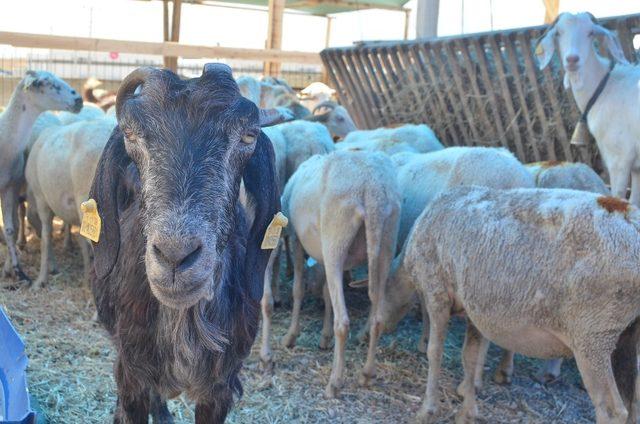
(546, 256)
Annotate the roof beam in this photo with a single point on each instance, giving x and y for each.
(347, 4)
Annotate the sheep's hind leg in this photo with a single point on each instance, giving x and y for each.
(471, 353)
(336, 241)
(8, 201)
(594, 364)
(22, 231)
(46, 251)
(504, 372)
(549, 371)
(438, 321)
(327, 322)
(266, 356)
(289, 339)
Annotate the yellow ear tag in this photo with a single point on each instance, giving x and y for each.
(91, 222)
(539, 50)
(272, 235)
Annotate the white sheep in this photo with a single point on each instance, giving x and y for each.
(406, 138)
(270, 94)
(37, 92)
(343, 210)
(545, 272)
(335, 117)
(571, 175)
(293, 143)
(422, 177)
(614, 119)
(89, 111)
(315, 94)
(59, 174)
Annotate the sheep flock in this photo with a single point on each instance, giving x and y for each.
(400, 263)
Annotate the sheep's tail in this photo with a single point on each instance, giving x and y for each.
(381, 230)
(625, 365)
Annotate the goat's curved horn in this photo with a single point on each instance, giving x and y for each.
(327, 104)
(130, 84)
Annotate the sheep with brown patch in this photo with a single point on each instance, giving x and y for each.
(547, 273)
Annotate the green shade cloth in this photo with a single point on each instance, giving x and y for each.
(325, 7)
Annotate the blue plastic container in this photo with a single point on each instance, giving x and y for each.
(14, 396)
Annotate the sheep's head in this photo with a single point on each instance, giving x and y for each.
(191, 142)
(335, 117)
(574, 36)
(48, 92)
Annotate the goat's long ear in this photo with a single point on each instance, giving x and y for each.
(260, 181)
(546, 45)
(612, 43)
(106, 187)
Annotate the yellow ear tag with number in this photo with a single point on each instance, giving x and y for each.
(539, 50)
(91, 222)
(272, 235)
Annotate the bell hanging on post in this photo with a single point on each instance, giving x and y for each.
(581, 134)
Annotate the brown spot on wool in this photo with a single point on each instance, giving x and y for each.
(551, 163)
(613, 204)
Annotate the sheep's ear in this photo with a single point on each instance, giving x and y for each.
(612, 43)
(106, 190)
(260, 182)
(269, 117)
(546, 46)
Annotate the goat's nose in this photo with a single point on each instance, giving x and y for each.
(573, 59)
(179, 255)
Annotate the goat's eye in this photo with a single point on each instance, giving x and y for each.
(591, 33)
(249, 138)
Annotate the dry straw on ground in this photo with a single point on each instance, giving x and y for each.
(70, 371)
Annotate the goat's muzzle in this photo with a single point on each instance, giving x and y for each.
(180, 269)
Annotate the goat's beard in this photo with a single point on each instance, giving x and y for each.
(573, 79)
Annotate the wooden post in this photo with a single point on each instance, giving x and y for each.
(165, 28)
(427, 18)
(327, 42)
(174, 34)
(552, 7)
(274, 34)
(407, 18)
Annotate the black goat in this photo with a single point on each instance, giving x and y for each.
(178, 268)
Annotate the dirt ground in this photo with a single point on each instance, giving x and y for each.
(70, 368)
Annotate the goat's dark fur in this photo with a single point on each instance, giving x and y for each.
(163, 351)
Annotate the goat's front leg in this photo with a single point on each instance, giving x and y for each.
(158, 408)
(133, 399)
(289, 340)
(215, 411)
(8, 202)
